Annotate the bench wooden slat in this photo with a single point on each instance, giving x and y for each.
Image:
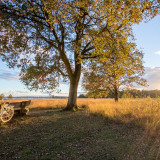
(20, 105)
(16, 104)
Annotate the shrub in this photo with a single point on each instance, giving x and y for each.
(10, 96)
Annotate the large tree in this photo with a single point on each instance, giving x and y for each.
(118, 70)
(50, 40)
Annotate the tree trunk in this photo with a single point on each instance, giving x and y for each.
(74, 81)
(72, 99)
(116, 93)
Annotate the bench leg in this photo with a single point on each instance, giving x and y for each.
(22, 112)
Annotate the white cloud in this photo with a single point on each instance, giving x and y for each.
(16, 93)
(152, 75)
(9, 76)
(21, 92)
(157, 52)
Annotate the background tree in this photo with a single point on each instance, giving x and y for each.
(82, 96)
(95, 93)
(141, 93)
(2, 96)
(127, 95)
(10, 96)
(50, 40)
(118, 70)
(94, 85)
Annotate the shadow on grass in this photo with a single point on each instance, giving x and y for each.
(51, 134)
(131, 121)
(39, 112)
(46, 108)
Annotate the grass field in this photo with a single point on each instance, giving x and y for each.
(101, 129)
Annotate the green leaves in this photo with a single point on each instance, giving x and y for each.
(117, 69)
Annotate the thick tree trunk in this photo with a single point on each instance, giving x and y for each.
(74, 81)
(72, 99)
(116, 93)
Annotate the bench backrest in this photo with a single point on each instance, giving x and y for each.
(22, 104)
(25, 103)
(28, 103)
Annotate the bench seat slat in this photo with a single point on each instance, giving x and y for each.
(20, 105)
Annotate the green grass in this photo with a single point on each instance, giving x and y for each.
(48, 134)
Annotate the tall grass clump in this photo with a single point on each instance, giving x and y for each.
(138, 112)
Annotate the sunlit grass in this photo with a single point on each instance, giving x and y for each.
(139, 112)
(43, 103)
(125, 130)
(53, 103)
(144, 113)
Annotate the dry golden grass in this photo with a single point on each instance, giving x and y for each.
(104, 130)
(140, 112)
(53, 103)
(43, 103)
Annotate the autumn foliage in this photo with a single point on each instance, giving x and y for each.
(54, 40)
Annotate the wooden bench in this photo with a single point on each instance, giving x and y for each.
(21, 108)
(7, 110)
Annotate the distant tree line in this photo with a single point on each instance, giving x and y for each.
(140, 94)
(122, 94)
(125, 94)
(3, 96)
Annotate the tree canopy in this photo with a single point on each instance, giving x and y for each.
(10, 96)
(120, 70)
(50, 40)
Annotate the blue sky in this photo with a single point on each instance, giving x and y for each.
(147, 39)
